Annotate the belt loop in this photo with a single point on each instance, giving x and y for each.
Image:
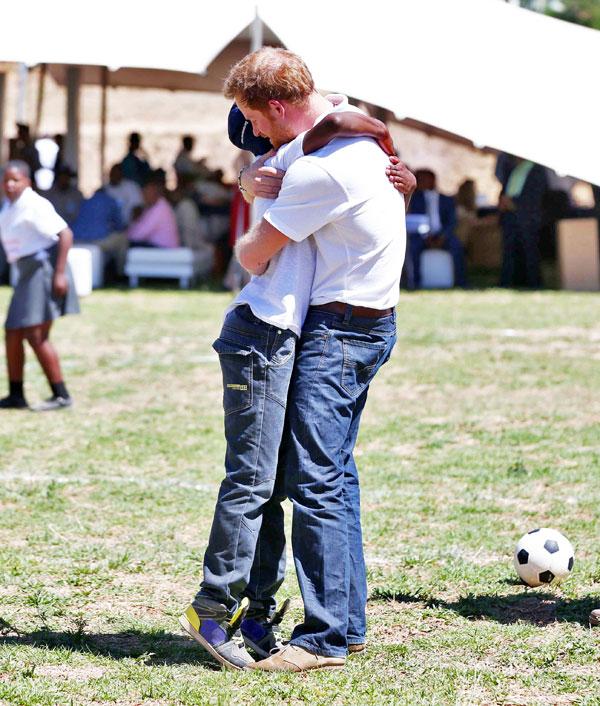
(348, 313)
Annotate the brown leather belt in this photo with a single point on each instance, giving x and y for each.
(359, 311)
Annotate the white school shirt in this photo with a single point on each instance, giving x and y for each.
(341, 194)
(28, 225)
(281, 295)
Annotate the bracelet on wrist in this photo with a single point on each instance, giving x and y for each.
(239, 179)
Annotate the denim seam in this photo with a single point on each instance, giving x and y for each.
(250, 496)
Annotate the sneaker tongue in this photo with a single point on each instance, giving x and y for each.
(238, 616)
(279, 614)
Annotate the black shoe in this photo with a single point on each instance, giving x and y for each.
(52, 403)
(13, 402)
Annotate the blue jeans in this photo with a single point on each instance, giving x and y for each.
(337, 358)
(256, 362)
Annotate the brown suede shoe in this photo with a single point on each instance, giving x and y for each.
(356, 647)
(595, 618)
(296, 659)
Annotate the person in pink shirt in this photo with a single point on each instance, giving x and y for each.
(155, 226)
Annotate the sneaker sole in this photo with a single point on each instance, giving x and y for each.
(191, 630)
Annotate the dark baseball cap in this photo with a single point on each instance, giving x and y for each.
(240, 133)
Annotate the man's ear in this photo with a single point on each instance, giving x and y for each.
(277, 108)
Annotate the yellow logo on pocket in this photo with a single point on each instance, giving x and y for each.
(242, 388)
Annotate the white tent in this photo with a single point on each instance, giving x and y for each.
(485, 70)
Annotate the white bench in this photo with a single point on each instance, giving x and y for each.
(183, 264)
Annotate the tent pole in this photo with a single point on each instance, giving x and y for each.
(103, 111)
(21, 92)
(2, 94)
(40, 99)
(72, 137)
(256, 33)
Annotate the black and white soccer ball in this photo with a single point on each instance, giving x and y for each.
(543, 556)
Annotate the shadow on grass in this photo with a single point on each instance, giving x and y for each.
(151, 648)
(538, 608)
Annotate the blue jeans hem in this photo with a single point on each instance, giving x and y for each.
(310, 647)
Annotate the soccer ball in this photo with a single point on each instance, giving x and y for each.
(543, 556)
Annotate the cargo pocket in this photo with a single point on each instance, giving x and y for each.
(236, 367)
(361, 362)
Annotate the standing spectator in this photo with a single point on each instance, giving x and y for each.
(125, 192)
(192, 229)
(59, 161)
(155, 226)
(23, 148)
(135, 165)
(441, 211)
(65, 197)
(185, 166)
(521, 209)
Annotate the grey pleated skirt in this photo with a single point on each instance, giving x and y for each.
(33, 301)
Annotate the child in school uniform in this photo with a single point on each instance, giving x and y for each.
(37, 240)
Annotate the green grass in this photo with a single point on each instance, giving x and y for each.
(485, 423)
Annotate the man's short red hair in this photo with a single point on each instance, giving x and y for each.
(269, 74)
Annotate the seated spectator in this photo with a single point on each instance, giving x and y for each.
(477, 229)
(125, 192)
(65, 197)
(441, 211)
(193, 231)
(185, 166)
(214, 202)
(100, 223)
(155, 226)
(135, 164)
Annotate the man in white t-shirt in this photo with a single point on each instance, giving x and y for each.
(256, 355)
(339, 194)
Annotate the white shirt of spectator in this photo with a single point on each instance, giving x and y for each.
(28, 225)
(281, 295)
(341, 195)
(128, 195)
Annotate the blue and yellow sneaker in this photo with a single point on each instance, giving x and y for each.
(260, 632)
(209, 623)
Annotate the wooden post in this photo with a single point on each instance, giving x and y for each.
(23, 73)
(2, 94)
(103, 112)
(40, 101)
(71, 156)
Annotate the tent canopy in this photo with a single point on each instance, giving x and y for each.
(485, 70)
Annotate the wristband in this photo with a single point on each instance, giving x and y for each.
(239, 179)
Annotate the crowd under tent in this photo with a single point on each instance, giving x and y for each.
(483, 70)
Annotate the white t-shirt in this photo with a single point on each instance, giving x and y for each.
(341, 194)
(282, 294)
(28, 225)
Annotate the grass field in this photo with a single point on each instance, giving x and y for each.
(485, 423)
